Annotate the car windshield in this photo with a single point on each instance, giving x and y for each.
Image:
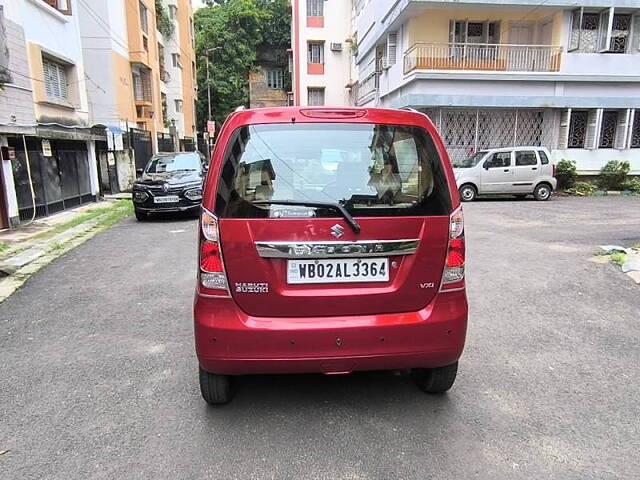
(472, 161)
(174, 163)
(370, 169)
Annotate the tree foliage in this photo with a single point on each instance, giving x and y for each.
(230, 34)
(165, 24)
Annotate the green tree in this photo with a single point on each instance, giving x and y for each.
(229, 34)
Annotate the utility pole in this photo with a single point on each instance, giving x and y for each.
(208, 51)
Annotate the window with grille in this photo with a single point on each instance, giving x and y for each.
(315, 96)
(315, 8)
(175, 59)
(635, 131)
(578, 129)
(144, 20)
(608, 129)
(603, 31)
(315, 52)
(178, 106)
(275, 79)
(55, 79)
(142, 86)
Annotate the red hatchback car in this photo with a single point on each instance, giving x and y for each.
(331, 240)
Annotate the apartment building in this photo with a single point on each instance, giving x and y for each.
(143, 53)
(322, 47)
(514, 72)
(45, 133)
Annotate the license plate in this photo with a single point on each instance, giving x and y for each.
(338, 270)
(167, 199)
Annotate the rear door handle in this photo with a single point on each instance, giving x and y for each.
(506, 169)
(534, 168)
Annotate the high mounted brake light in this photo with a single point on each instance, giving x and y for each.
(212, 277)
(333, 113)
(453, 274)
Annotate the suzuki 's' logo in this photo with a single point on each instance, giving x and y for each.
(165, 187)
(337, 231)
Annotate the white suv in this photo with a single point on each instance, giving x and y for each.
(518, 171)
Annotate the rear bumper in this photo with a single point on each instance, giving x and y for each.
(228, 341)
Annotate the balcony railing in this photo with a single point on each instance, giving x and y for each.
(482, 56)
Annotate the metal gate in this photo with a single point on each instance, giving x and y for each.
(141, 144)
(60, 181)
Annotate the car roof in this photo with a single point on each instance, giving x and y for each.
(326, 114)
(509, 149)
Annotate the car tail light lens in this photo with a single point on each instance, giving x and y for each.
(453, 275)
(212, 278)
(554, 171)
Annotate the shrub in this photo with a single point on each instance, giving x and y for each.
(566, 173)
(632, 184)
(582, 189)
(165, 24)
(613, 175)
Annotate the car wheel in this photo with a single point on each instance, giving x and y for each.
(435, 380)
(468, 193)
(140, 215)
(215, 389)
(542, 192)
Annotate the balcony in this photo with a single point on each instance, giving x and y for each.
(493, 57)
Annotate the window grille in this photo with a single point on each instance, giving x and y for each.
(275, 79)
(577, 129)
(635, 131)
(608, 129)
(315, 8)
(315, 96)
(144, 20)
(316, 52)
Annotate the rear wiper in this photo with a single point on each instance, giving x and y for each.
(355, 226)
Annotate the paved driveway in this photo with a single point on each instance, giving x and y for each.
(98, 374)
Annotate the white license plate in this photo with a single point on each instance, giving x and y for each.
(338, 270)
(167, 199)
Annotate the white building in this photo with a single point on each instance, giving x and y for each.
(322, 51)
(43, 104)
(503, 72)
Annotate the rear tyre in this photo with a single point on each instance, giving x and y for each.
(435, 380)
(215, 389)
(140, 215)
(542, 192)
(468, 193)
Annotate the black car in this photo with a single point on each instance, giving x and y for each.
(170, 182)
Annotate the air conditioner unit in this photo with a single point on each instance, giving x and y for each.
(336, 47)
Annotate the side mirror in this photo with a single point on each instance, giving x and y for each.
(139, 171)
(486, 165)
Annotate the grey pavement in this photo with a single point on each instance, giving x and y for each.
(98, 377)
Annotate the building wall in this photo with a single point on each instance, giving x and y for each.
(185, 16)
(336, 29)
(262, 96)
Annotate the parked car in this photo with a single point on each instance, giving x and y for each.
(314, 265)
(171, 182)
(518, 171)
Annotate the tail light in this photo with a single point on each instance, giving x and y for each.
(453, 275)
(212, 278)
(554, 171)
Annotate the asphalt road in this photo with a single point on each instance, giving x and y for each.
(98, 377)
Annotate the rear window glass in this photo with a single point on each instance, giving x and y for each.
(370, 169)
(526, 158)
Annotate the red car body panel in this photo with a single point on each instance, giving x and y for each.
(329, 328)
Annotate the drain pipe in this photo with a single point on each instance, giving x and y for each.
(33, 193)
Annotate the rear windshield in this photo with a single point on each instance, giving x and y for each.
(174, 163)
(370, 169)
